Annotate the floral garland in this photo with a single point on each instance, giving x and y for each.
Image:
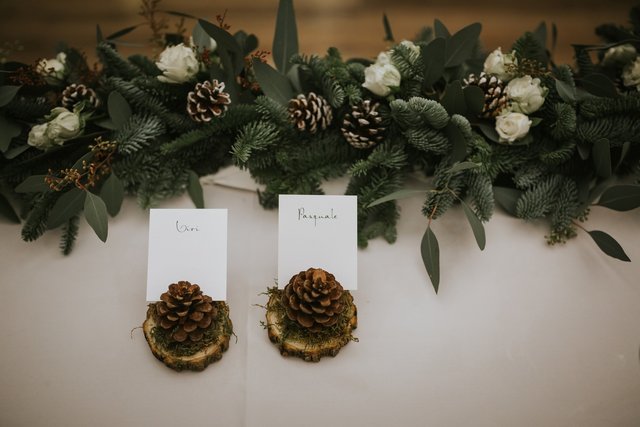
(541, 140)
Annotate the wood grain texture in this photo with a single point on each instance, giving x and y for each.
(354, 26)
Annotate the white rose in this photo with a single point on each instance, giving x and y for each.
(62, 125)
(38, 137)
(379, 79)
(383, 59)
(512, 126)
(526, 94)
(631, 74)
(619, 55)
(411, 45)
(53, 69)
(178, 64)
(497, 62)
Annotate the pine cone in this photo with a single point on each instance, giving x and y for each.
(312, 298)
(362, 128)
(310, 112)
(185, 311)
(76, 93)
(207, 100)
(495, 97)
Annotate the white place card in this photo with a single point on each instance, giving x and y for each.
(187, 244)
(319, 232)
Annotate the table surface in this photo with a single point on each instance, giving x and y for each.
(520, 334)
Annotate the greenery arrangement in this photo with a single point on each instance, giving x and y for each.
(542, 140)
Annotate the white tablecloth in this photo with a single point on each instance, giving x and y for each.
(520, 334)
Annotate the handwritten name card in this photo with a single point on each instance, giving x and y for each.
(320, 232)
(187, 244)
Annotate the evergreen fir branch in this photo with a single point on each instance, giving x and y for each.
(145, 65)
(383, 156)
(272, 111)
(36, 223)
(595, 108)
(69, 235)
(408, 62)
(353, 94)
(114, 64)
(188, 139)
(255, 136)
(559, 154)
(528, 47)
(529, 175)
(480, 189)
(539, 199)
(583, 61)
(28, 109)
(448, 189)
(565, 122)
(333, 92)
(138, 132)
(617, 130)
(431, 111)
(428, 140)
(565, 207)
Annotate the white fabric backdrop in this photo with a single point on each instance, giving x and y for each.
(519, 334)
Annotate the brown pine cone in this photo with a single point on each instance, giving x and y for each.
(362, 128)
(308, 113)
(76, 93)
(185, 311)
(312, 299)
(495, 97)
(207, 100)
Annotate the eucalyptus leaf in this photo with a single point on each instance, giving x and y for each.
(599, 85)
(273, 84)
(608, 245)
(440, 29)
(119, 109)
(461, 45)
(489, 131)
(431, 257)
(7, 93)
(507, 198)
(33, 184)
(458, 167)
(179, 14)
(95, 212)
(195, 190)
(99, 35)
(8, 130)
(474, 99)
(623, 152)
(122, 32)
(388, 34)
(458, 142)
(566, 91)
(621, 197)
(6, 210)
(285, 39)
(453, 99)
(16, 151)
(400, 194)
(67, 205)
(476, 226)
(540, 33)
(228, 48)
(106, 123)
(433, 57)
(601, 153)
(200, 37)
(112, 193)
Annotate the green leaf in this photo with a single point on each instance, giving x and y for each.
(474, 99)
(458, 167)
(476, 225)
(8, 130)
(489, 131)
(453, 99)
(200, 37)
(122, 32)
(6, 210)
(68, 205)
(400, 194)
(601, 153)
(119, 109)
(566, 91)
(431, 257)
(388, 34)
(112, 193)
(440, 29)
(507, 198)
(599, 85)
(460, 46)
(433, 58)
(16, 151)
(285, 40)
(623, 152)
(458, 142)
(608, 245)
(7, 93)
(95, 212)
(228, 48)
(99, 35)
(195, 190)
(621, 197)
(33, 184)
(85, 159)
(273, 84)
(540, 34)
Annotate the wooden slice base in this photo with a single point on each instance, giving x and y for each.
(195, 356)
(294, 340)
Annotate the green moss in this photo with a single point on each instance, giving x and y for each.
(220, 326)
